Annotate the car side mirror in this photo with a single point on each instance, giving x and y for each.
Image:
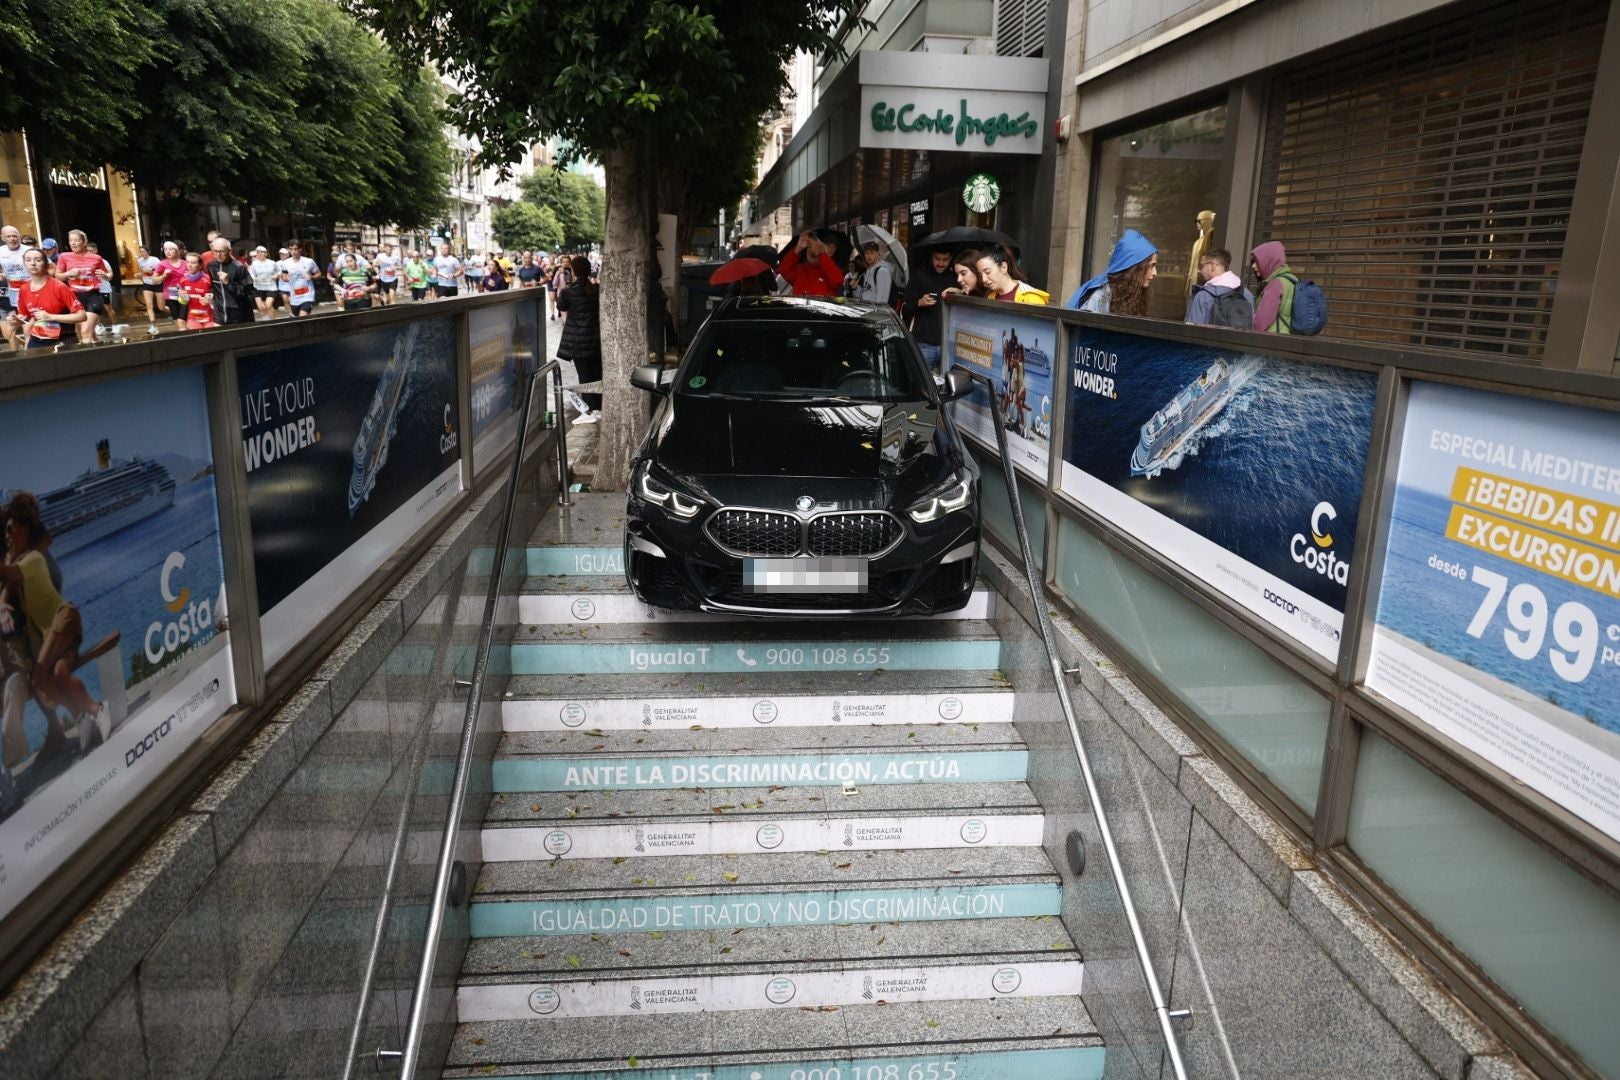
(654, 378)
(958, 382)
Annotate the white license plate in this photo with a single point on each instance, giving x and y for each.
(804, 575)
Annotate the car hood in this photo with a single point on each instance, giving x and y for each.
(742, 449)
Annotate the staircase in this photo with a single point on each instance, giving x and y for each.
(725, 848)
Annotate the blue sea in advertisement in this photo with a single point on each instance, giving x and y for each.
(159, 424)
(337, 478)
(1434, 609)
(1289, 437)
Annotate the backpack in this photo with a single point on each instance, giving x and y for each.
(1232, 309)
(1308, 314)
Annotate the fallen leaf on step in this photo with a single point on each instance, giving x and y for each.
(624, 952)
(573, 961)
(656, 935)
(534, 808)
(842, 866)
(725, 949)
(729, 876)
(617, 859)
(931, 1023)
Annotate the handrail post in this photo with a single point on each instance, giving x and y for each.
(562, 435)
(1037, 598)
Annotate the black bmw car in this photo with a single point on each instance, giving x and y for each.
(802, 464)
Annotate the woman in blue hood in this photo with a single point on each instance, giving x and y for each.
(1122, 289)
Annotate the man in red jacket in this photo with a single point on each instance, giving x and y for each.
(809, 269)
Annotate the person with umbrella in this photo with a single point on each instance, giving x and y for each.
(921, 308)
(809, 269)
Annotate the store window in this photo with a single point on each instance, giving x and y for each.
(1157, 179)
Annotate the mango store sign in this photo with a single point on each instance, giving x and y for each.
(920, 118)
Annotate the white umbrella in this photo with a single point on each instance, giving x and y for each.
(897, 250)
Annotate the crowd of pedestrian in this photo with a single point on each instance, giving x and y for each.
(47, 289)
(821, 262)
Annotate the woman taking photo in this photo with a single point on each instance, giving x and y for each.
(582, 333)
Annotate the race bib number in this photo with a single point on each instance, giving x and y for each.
(45, 331)
(301, 293)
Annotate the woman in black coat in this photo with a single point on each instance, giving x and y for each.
(582, 333)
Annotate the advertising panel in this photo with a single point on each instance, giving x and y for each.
(1498, 618)
(504, 343)
(351, 448)
(113, 652)
(1244, 470)
(1015, 349)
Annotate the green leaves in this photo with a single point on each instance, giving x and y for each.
(526, 226)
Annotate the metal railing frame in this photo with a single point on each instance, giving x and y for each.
(1163, 1014)
(410, 1051)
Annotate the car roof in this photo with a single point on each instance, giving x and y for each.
(802, 309)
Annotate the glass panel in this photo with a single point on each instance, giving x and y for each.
(997, 511)
(1157, 180)
(1547, 935)
(1265, 712)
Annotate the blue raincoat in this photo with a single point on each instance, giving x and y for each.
(1129, 250)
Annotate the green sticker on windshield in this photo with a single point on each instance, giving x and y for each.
(697, 382)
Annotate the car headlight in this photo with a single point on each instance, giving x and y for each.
(946, 499)
(665, 496)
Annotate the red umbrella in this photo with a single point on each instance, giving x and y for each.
(738, 269)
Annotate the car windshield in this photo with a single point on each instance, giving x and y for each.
(821, 361)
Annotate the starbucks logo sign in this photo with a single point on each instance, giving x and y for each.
(981, 193)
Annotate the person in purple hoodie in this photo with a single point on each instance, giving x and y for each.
(1274, 309)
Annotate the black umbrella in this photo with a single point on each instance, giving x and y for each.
(763, 252)
(968, 236)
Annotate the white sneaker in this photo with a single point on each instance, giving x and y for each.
(588, 418)
(94, 732)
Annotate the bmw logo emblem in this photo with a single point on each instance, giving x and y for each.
(805, 504)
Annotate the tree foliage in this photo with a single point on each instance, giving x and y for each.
(619, 80)
(578, 202)
(68, 106)
(526, 226)
(289, 105)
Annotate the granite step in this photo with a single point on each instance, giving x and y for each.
(866, 965)
(1035, 1038)
(755, 699)
(723, 821)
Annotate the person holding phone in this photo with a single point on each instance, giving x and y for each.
(920, 308)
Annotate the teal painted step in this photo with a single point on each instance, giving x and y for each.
(1068, 1063)
(710, 657)
(733, 770)
(735, 657)
(594, 561)
(804, 907)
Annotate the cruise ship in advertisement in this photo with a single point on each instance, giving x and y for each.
(382, 421)
(1169, 431)
(104, 499)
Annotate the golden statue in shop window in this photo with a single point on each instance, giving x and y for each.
(1205, 241)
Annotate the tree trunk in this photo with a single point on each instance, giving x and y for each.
(625, 251)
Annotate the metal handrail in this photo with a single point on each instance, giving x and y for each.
(1161, 1008)
(410, 1051)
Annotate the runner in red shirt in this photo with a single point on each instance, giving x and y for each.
(82, 270)
(43, 303)
(197, 290)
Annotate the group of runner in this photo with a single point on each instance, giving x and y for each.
(47, 289)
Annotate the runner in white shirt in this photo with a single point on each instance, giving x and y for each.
(300, 273)
(387, 267)
(447, 273)
(15, 273)
(266, 274)
(151, 284)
